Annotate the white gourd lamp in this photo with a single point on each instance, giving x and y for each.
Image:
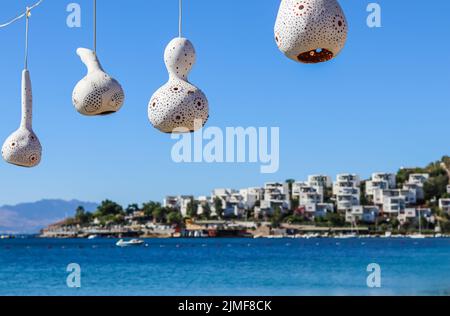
(311, 31)
(178, 106)
(97, 93)
(23, 148)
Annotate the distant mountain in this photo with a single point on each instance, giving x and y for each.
(29, 218)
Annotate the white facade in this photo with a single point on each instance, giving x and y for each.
(345, 181)
(390, 178)
(366, 214)
(418, 178)
(319, 210)
(296, 189)
(348, 198)
(407, 215)
(309, 195)
(380, 196)
(233, 203)
(251, 196)
(394, 205)
(275, 195)
(320, 182)
(444, 205)
(418, 188)
(373, 185)
(179, 203)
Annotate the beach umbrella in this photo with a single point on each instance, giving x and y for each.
(97, 93)
(23, 148)
(311, 31)
(178, 106)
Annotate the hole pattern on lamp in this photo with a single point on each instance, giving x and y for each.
(178, 105)
(97, 93)
(311, 31)
(23, 148)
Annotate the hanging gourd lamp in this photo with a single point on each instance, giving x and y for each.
(97, 93)
(178, 106)
(311, 31)
(23, 148)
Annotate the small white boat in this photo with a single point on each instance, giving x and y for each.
(92, 237)
(346, 236)
(417, 236)
(133, 242)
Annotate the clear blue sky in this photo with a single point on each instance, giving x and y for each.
(384, 103)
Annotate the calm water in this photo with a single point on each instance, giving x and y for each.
(226, 267)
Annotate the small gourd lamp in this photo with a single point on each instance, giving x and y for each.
(23, 148)
(178, 106)
(311, 31)
(97, 93)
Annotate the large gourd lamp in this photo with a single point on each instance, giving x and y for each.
(23, 148)
(311, 31)
(97, 93)
(179, 106)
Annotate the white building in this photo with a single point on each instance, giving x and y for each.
(345, 181)
(179, 203)
(394, 205)
(297, 189)
(347, 198)
(444, 205)
(320, 182)
(233, 203)
(309, 195)
(416, 187)
(319, 210)
(382, 181)
(380, 196)
(251, 196)
(407, 215)
(418, 178)
(276, 195)
(366, 214)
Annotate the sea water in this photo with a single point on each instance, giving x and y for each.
(226, 267)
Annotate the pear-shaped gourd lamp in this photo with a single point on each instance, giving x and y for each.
(311, 31)
(97, 93)
(23, 148)
(179, 106)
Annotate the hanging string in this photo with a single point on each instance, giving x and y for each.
(180, 19)
(17, 18)
(27, 27)
(95, 26)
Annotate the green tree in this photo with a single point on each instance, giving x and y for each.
(149, 207)
(174, 218)
(206, 211)
(192, 209)
(108, 207)
(131, 209)
(218, 206)
(277, 217)
(82, 217)
(159, 214)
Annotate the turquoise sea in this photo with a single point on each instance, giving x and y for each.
(226, 267)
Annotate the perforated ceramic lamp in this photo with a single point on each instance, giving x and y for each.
(311, 31)
(97, 93)
(178, 106)
(23, 148)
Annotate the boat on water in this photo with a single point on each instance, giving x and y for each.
(417, 236)
(346, 236)
(90, 237)
(133, 242)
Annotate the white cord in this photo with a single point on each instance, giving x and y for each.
(180, 19)
(95, 26)
(17, 18)
(27, 18)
